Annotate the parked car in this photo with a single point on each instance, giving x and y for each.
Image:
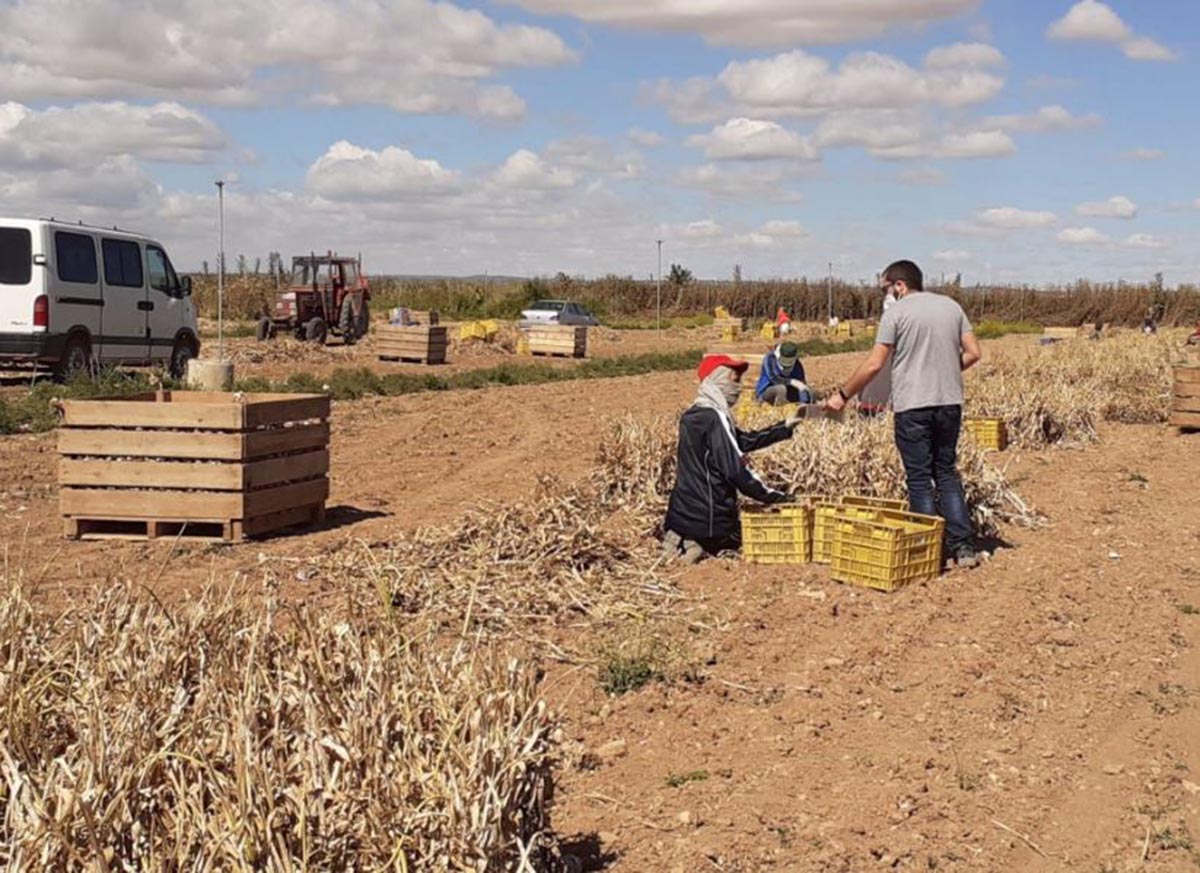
(73, 296)
(563, 312)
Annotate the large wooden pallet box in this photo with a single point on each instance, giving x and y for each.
(202, 465)
(1185, 408)
(424, 344)
(564, 340)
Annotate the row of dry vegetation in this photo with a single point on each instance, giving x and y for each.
(617, 298)
(402, 728)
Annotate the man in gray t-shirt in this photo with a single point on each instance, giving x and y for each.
(930, 342)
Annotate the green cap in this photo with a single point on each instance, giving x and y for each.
(789, 350)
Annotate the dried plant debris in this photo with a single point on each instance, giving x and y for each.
(226, 737)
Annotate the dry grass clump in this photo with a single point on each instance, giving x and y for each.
(1058, 394)
(858, 456)
(220, 737)
(560, 556)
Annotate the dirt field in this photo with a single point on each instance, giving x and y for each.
(1039, 713)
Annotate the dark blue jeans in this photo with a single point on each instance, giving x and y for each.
(928, 442)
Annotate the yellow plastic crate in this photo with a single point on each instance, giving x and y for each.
(767, 331)
(729, 333)
(483, 330)
(523, 345)
(988, 433)
(778, 534)
(888, 552)
(827, 509)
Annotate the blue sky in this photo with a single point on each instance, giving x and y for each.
(1015, 141)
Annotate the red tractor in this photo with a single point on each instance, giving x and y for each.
(328, 294)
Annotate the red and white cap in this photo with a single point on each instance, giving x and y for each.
(712, 362)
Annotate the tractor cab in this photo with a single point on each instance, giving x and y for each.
(328, 294)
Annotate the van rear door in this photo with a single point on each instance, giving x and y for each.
(16, 279)
(75, 299)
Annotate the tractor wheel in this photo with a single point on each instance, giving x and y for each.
(364, 320)
(347, 324)
(265, 330)
(316, 330)
(180, 355)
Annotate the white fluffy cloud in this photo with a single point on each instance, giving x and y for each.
(735, 181)
(952, 256)
(1044, 120)
(1011, 218)
(1082, 236)
(526, 170)
(746, 139)
(1143, 241)
(783, 228)
(760, 22)
(1114, 207)
(797, 84)
(348, 172)
(1145, 154)
(413, 55)
(64, 137)
(1093, 21)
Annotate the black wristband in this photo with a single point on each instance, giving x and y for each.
(842, 393)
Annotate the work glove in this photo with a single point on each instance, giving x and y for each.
(798, 385)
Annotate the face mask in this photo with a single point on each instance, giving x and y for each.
(732, 390)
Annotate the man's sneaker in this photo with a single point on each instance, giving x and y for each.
(965, 558)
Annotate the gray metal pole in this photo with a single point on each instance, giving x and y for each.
(220, 271)
(829, 289)
(658, 291)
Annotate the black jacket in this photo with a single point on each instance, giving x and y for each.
(712, 470)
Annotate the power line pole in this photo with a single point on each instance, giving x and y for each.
(658, 291)
(220, 270)
(829, 289)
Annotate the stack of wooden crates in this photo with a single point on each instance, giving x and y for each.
(1185, 408)
(208, 466)
(423, 343)
(563, 340)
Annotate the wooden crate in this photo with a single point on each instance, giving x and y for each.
(203, 465)
(424, 344)
(1185, 408)
(564, 340)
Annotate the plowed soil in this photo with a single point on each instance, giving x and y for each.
(1038, 713)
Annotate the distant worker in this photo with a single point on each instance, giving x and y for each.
(782, 377)
(1098, 330)
(931, 342)
(783, 322)
(1194, 337)
(702, 516)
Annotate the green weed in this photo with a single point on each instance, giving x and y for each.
(678, 780)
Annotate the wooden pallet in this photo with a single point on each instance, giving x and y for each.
(201, 465)
(423, 344)
(558, 340)
(1185, 408)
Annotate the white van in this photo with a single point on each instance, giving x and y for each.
(73, 296)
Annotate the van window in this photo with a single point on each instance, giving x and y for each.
(75, 254)
(16, 256)
(162, 274)
(122, 263)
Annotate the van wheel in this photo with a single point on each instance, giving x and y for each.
(180, 355)
(265, 329)
(347, 323)
(76, 360)
(316, 330)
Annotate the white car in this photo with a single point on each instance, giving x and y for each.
(557, 312)
(74, 296)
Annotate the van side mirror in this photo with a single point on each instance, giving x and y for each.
(185, 286)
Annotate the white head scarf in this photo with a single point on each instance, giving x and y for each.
(719, 390)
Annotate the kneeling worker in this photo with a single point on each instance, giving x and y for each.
(782, 378)
(702, 516)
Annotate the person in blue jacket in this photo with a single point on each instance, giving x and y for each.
(782, 378)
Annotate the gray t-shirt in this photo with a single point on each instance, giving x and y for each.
(925, 331)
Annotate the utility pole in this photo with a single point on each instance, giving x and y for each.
(829, 289)
(658, 291)
(220, 270)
